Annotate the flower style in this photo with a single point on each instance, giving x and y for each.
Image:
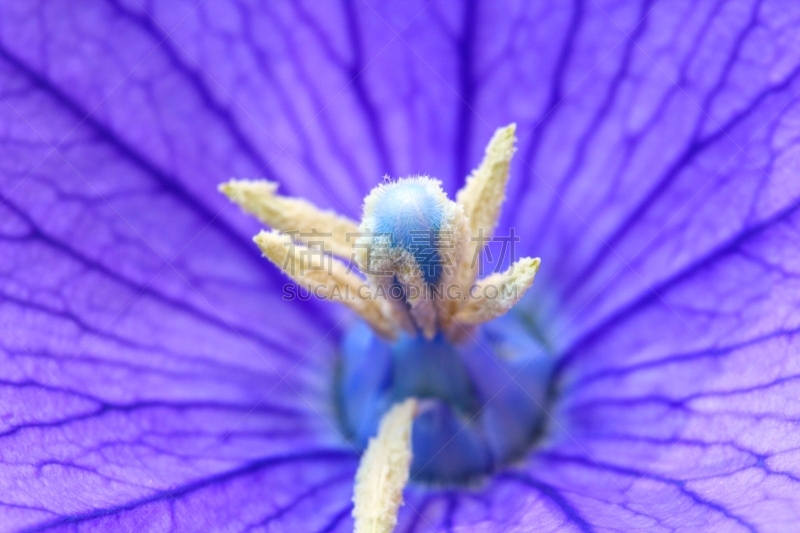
(155, 377)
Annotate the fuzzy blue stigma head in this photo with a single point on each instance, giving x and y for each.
(410, 213)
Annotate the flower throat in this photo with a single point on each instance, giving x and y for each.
(431, 333)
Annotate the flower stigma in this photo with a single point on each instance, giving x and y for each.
(441, 381)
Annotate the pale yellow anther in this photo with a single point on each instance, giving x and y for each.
(383, 472)
(325, 277)
(482, 196)
(395, 308)
(454, 240)
(397, 294)
(418, 303)
(495, 295)
(421, 306)
(303, 220)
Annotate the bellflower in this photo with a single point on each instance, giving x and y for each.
(159, 374)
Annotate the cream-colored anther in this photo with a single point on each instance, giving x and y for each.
(325, 277)
(482, 196)
(454, 239)
(395, 308)
(376, 259)
(383, 472)
(305, 222)
(421, 305)
(495, 295)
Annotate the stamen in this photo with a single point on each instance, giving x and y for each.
(414, 245)
(495, 295)
(305, 221)
(422, 307)
(454, 242)
(329, 278)
(383, 472)
(482, 196)
(419, 252)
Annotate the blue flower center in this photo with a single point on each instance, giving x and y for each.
(411, 217)
(482, 400)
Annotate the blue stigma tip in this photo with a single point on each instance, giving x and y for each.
(411, 212)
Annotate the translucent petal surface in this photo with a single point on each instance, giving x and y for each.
(152, 375)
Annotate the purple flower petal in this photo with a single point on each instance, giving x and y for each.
(152, 375)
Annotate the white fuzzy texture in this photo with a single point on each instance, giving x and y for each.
(301, 218)
(483, 196)
(455, 241)
(375, 254)
(399, 209)
(324, 276)
(507, 289)
(383, 472)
